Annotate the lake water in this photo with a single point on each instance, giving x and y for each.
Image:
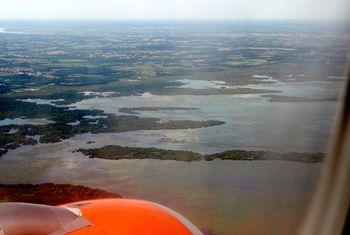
(249, 118)
(225, 197)
(23, 121)
(220, 197)
(43, 101)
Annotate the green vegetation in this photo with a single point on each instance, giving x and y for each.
(266, 155)
(50, 194)
(281, 98)
(54, 132)
(116, 152)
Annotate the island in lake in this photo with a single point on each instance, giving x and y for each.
(50, 194)
(115, 152)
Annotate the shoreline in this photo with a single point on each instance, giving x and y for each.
(50, 193)
(116, 152)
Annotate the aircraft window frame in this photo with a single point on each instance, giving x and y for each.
(329, 206)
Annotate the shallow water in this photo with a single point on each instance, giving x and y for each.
(22, 121)
(305, 89)
(201, 84)
(249, 118)
(43, 101)
(224, 196)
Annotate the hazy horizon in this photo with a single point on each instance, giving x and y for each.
(174, 10)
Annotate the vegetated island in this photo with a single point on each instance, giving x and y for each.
(50, 194)
(70, 122)
(116, 152)
(281, 98)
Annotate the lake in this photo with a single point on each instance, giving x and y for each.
(225, 197)
(249, 118)
(221, 197)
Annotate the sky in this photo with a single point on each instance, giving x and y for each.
(174, 9)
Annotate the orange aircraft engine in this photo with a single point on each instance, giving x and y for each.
(102, 216)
